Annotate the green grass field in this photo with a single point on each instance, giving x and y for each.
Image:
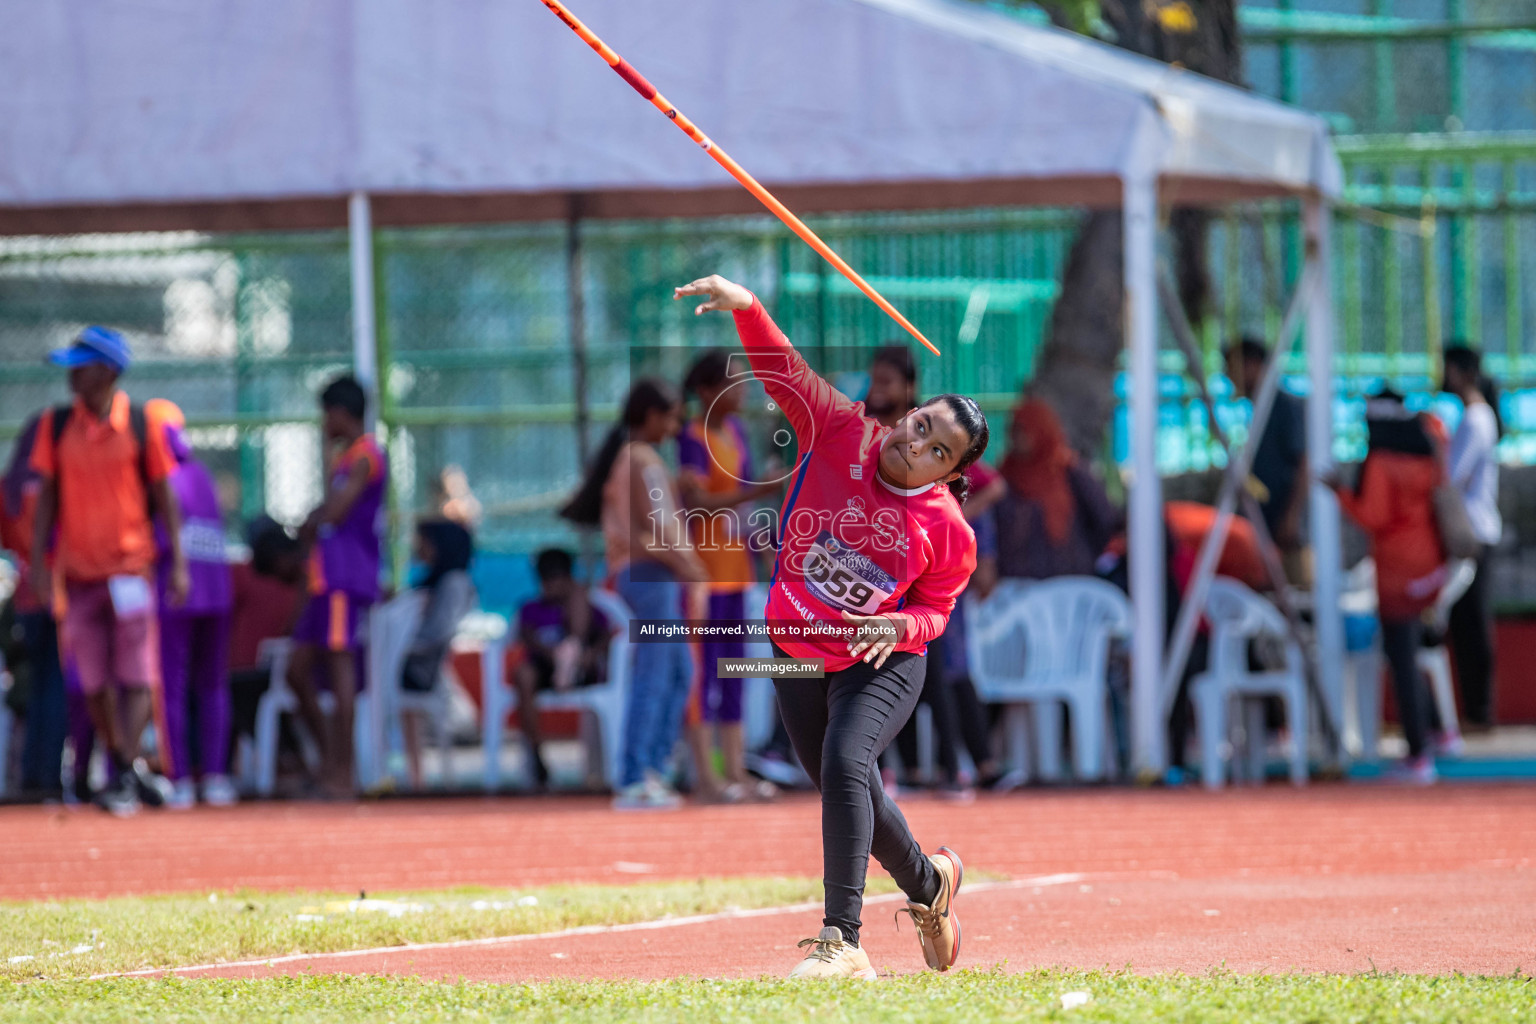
(49, 950)
(79, 938)
(973, 997)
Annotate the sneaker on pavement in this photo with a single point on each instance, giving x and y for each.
(219, 791)
(630, 798)
(153, 790)
(660, 793)
(648, 795)
(831, 957)
(1447, 744)
(938, 929)
(1414, 771)
(183, 796)
(117, 798)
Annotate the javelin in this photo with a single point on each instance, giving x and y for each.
(795, 224)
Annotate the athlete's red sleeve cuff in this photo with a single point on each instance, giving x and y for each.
(757, 328)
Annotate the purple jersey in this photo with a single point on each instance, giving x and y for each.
(546, 621)
(202, 542)
(346, 557)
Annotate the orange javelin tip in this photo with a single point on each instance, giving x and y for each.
(627, 72)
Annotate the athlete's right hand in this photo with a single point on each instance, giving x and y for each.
(723, 294)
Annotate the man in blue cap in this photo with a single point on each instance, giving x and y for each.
(102, 466)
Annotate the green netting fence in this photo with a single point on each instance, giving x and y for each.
(477, 368)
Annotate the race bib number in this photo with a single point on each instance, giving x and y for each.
(844, 578)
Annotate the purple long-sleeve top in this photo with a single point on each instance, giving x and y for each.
(202, 541)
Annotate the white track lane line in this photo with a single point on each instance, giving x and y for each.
(587, 929)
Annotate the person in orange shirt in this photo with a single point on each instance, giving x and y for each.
(105, 470)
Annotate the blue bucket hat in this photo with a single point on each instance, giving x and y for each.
(95, 345)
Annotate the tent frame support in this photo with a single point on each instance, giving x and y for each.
(1148, 732)
(1154, 682)
(1232, 483)
(1317, 219)
(365, 367)
(1274, 569)
(365, 352)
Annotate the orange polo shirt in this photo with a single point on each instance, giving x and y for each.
(103, 515)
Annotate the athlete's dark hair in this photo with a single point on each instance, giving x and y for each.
(553, 564)
(707, 371)
(968, 415)
(346, 394)
(898, 358)
(586, 506)
(1461, 356)
(1249, 348)
(270, 543)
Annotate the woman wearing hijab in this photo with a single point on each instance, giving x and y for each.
(445, 549)
(1394, 503)
(1054, 519)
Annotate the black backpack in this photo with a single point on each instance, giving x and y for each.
(137, 425)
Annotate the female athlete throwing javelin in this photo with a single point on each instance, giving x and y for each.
(872, 541)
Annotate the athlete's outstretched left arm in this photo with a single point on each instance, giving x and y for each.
(807, 400)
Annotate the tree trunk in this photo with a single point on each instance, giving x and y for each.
(1078, 362)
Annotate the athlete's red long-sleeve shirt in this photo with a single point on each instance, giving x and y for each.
(849, 540)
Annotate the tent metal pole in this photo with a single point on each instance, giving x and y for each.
(365, 364)
(1232, 482)
(1285, 599)
(1148, 739)
(1324, 507)
(365, 368)
(576, 325)
(576, 316)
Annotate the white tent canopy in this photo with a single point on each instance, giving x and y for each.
(862, 103)
(240, 114)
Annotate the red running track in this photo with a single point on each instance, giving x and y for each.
(1327, 878)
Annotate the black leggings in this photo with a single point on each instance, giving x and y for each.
(839, 725)
(1471, 628)
(1400, 642)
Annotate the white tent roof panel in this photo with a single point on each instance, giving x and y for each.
(935, 102)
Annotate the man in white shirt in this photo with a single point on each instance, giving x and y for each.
(1473, 466)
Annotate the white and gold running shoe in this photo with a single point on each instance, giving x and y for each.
(938, 929)
(831, 957)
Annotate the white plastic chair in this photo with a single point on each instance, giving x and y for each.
(273, 704)
(1237, 616)
(392, 631)
(280, 700)
(602, 705)
(1040, 645)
